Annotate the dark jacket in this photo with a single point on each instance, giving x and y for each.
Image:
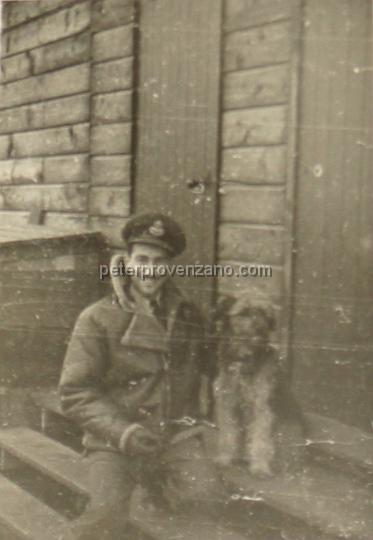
(122, 367)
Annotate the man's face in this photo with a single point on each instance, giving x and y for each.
(144, 259)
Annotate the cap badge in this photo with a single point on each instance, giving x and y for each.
(157, 229)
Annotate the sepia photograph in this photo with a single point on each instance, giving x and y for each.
(186, 270)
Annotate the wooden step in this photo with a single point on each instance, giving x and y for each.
(338, 440)
(46, 456)
(327, 435)
(25, 517)
(334, 504)
(67, 467)
(163, 524)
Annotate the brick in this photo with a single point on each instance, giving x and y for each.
(261, 46)
(61, 170)
(252, 204)
(16, 67)
(111, 170)
(111, 13)
(19, 12)
(13, 219)
(251, 244)
(73, 50)
(6, 171)
(21, 171)
(246, 13)
(44, 7)
(65, 111)
(5, 147)
(27, 171)
(66, 221)
(20, 92)
(264, 125)
(53, 27)
(111, 108)
(70, 197)
(111, 139)
(250, 88)
(71, 80)
(70, 110)
(106, 201)
(113, 43)
(12, 120)
(64, 23)
(255, 165)
(63, 140)
(110, 227)
(21, 38)
(113, 75)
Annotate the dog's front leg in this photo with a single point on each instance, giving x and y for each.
(259, 421)
(229, 433)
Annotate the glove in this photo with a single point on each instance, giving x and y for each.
(143, 442)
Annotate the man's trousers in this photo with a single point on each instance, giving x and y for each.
(183, 474)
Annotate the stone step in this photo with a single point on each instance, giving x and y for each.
(65, 466)
(336, 505)
(326, 435)
(343, 442)
(320, 497)
(24, 517)
(46, 456)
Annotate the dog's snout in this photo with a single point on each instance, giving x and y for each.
(235, 367)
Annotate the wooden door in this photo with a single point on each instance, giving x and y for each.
(332, 337)
(177, 121)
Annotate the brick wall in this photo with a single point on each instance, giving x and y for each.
(44, 111)
(257, 49)
(111, 145)
(66, 122)
(66, 111)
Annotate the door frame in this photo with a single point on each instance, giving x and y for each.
(291, 183)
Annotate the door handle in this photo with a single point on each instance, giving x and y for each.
(196, 185)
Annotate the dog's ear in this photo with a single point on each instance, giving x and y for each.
(271, 318)
(221, 311)
(223, 306)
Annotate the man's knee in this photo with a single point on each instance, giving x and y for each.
(204, 483)
(111, 486)
(195, 482)
(191, 474)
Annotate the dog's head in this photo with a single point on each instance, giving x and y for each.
(243, 326)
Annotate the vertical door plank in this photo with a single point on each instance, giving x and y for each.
(178, 117)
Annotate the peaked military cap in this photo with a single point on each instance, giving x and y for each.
(155, 229)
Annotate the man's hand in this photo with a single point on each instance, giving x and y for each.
(143, 442)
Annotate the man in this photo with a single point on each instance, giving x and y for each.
(131, 380)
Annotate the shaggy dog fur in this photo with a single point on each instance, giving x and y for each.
(257, 416)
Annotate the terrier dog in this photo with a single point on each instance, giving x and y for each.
(257, 416)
